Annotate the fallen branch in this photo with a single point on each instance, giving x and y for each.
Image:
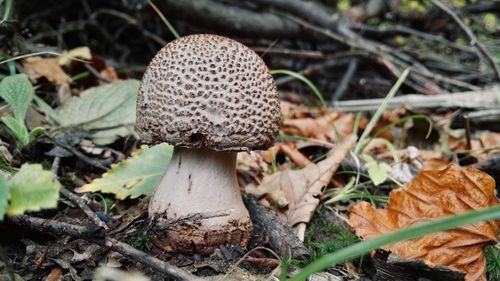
(79, 231)
(233, 19)
(484, 99)
(77, 199)
(474, 41)
(280, 234)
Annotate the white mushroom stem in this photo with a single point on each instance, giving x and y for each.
(201, 181)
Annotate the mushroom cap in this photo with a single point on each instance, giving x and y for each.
(208, 91)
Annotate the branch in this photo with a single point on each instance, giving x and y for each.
(473, 39)
(233, 19)
(483, 99)
(79, 231)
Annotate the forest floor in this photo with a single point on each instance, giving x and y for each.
(390, 114)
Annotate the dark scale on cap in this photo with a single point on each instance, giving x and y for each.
(233, 106)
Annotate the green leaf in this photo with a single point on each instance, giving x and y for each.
(17, 128)
(136, 176)
(38, 131)
(378, 172)
(4, 196)
(32, 189)
(18, 92)
(107, 111)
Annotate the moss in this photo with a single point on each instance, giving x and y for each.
(142, 242)
(323, 236)
(492, 254)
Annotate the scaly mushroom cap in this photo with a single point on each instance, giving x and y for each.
(208, 91)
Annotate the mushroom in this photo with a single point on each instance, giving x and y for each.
(210, 97)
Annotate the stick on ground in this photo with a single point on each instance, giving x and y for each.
(79, 231)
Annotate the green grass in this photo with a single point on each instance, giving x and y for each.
(492, 254)
(380, 110)
(303, 79)
(323, 237)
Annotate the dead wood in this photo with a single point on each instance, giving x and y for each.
(87, 233)
(279, 233)
(488, 98)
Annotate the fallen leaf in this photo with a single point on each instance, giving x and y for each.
(37, 67)
(323, 128)
(31, 189)
(291, 110)
(109, 73)
(80, 52)
(290, 150)
(250, 168)
(134, 177)
(490, 140)
(378, 171)
(107, 111)
(433, 194)
(303, 188)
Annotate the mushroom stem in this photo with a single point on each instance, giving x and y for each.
(201, 181)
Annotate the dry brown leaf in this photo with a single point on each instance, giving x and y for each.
(302, 188)
(250, 167)
(490, 140)
(321, 128)
(109, 73)
(291, 110)
(37, 67)
(433, 194)
(290, 150)
(68, 56)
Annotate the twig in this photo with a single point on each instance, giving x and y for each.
(331, 62)
(76, 199)
(82, 204)
(400, 29)
(290, 52)
(344, 83)
(80, 155)
(233, 18)
(488, 98)
(55, 227)
(279, 233)
(42, 53)
(473, 39)
(78, 231)
(96, 73)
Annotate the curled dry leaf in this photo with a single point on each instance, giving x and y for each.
(291, 110)
(433, 194)
(37, 67)
(68, 56)
(303, 188)
(322, 128)
(290, 150)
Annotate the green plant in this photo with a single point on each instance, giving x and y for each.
(30, 189)
(324, 237)
(7, 9)
(492, 254)
(17, 92)
(380, 110)
(142, 242)
(303, 79)
(364, 247)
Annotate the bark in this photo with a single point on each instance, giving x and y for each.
(232, 19)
